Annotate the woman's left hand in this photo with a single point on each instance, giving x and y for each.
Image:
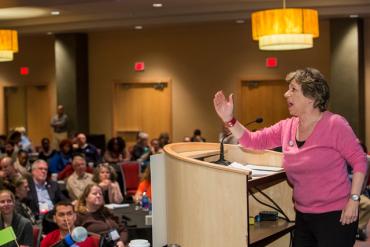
(350, 212)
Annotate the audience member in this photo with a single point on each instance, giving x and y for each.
(144, 186)
(21, 190)
(62, 158)
(15, 137)
(90, 151)
(77, 182)
(22, 227)
(7, 170)
(43, 193)
(197, 136)
(11, 150)
(187, 139)
(22, 164)
(45, 153)
(65, 217)
(155, 148)
(24, 142)
(164, 139)
(97, 219)
(116, 151)
(106, 177)
(141, 150)
(3, 139)
(59, 123)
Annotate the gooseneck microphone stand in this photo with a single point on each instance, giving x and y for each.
(221, 160)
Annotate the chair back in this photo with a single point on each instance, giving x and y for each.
(130, 171)
(37, 233)
(97, 238)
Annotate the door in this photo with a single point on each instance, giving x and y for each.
(15, 107)
(38, 113)
(29, 107)
(263, 99)
(141, 107)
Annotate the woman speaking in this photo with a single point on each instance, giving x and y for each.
(316, 146)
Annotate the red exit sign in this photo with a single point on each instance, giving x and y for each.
(271, 62)
(139, 66)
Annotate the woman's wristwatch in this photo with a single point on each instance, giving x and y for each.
(230, 123)
(355, 197)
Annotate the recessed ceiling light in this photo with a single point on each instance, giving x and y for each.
(49, 33)
(157, 5)
(240, 21)
(138, 27)
(55, 12)
(354, 16)
(21, 12)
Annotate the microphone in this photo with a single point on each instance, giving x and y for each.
(79, 234)
(257, 120)
(221, 160)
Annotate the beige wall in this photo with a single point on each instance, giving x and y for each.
(37, 53)
(199, 60)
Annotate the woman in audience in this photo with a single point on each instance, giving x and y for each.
(106, 178)
(9, 217)
(62, 158)
(197, 136)
(144, 186)
(46, 152)
(155, 148)
(116, 151)
(164, 139)
(21, 190)
(92, 215)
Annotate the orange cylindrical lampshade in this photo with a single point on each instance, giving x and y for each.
(285, 29)
(285, 21)
(8, 40)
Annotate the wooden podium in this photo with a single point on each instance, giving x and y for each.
(200, 204)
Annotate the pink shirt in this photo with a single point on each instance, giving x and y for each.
(317, 170)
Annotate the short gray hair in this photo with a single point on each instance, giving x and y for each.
(37, 162)
(313, 85)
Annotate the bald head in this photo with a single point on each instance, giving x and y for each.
(60, 109)
(7, 167)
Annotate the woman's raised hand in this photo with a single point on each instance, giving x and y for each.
(224, 107)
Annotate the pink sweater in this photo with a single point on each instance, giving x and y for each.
(317, 170)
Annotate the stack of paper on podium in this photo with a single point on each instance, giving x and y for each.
(257, 170)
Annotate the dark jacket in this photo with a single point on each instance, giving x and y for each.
(23, 230)
(54, 193)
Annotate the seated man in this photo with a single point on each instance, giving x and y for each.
(141, 150)
(65, 218)
(22, 164)
(7, 170)
(90, 151)
(77, 182)
(43, 193)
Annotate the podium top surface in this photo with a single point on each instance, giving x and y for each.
(195, 152)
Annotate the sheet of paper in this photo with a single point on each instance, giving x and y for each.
(265, 168)
(257, 171)
(114, 205)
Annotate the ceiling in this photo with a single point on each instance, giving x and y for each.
(84, 15)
